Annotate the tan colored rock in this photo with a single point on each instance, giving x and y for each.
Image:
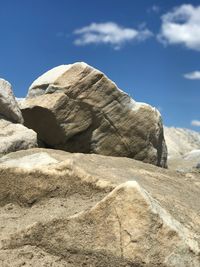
(181, 141)
(183, 148)
(187, 162)
(9, 108)
(76, 108)
(15, 136)
(20, 101)
(95, 211)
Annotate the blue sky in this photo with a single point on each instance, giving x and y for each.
(150, 48)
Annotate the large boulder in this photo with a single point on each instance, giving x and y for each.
(13, 135)
(77, 108)
(61, 209)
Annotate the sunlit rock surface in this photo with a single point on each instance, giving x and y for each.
(76, 108)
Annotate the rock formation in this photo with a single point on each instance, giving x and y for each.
(62, 209)
(76, 108)
(183, 148)
(13, 135)
(9, 108)
(72, 209)
(181, 141)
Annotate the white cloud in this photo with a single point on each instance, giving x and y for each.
(195, 75)
(195, 123)
(182, 26)
(109, 33)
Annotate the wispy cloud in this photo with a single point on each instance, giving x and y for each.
(181, 26)
(195, 75)
(109, 33)
(154, 9)
(195, 123)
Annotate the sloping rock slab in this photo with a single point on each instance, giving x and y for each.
(94, 210)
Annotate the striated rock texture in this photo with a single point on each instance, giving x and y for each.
(76, 108)
(13, 135)
(9, 108)
(62, 209)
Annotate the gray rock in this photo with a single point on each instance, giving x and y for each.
(9, 108)
(77, 108)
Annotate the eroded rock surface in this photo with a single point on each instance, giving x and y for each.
(76, 108)
(92, 210)
(9, 108)
(13, 135)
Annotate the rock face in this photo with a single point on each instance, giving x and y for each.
(13, 135)
(183, 148)
(76, 108)
(8, 105)
(69, 212)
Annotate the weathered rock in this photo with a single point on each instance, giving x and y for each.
(181, 141)
(15, 136)
(183, 148)
(9, 108)
(187, 162)
(77, 108)
(81, 214)
(193, 155)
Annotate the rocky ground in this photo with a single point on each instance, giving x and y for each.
(92, 210)
(112, 202)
